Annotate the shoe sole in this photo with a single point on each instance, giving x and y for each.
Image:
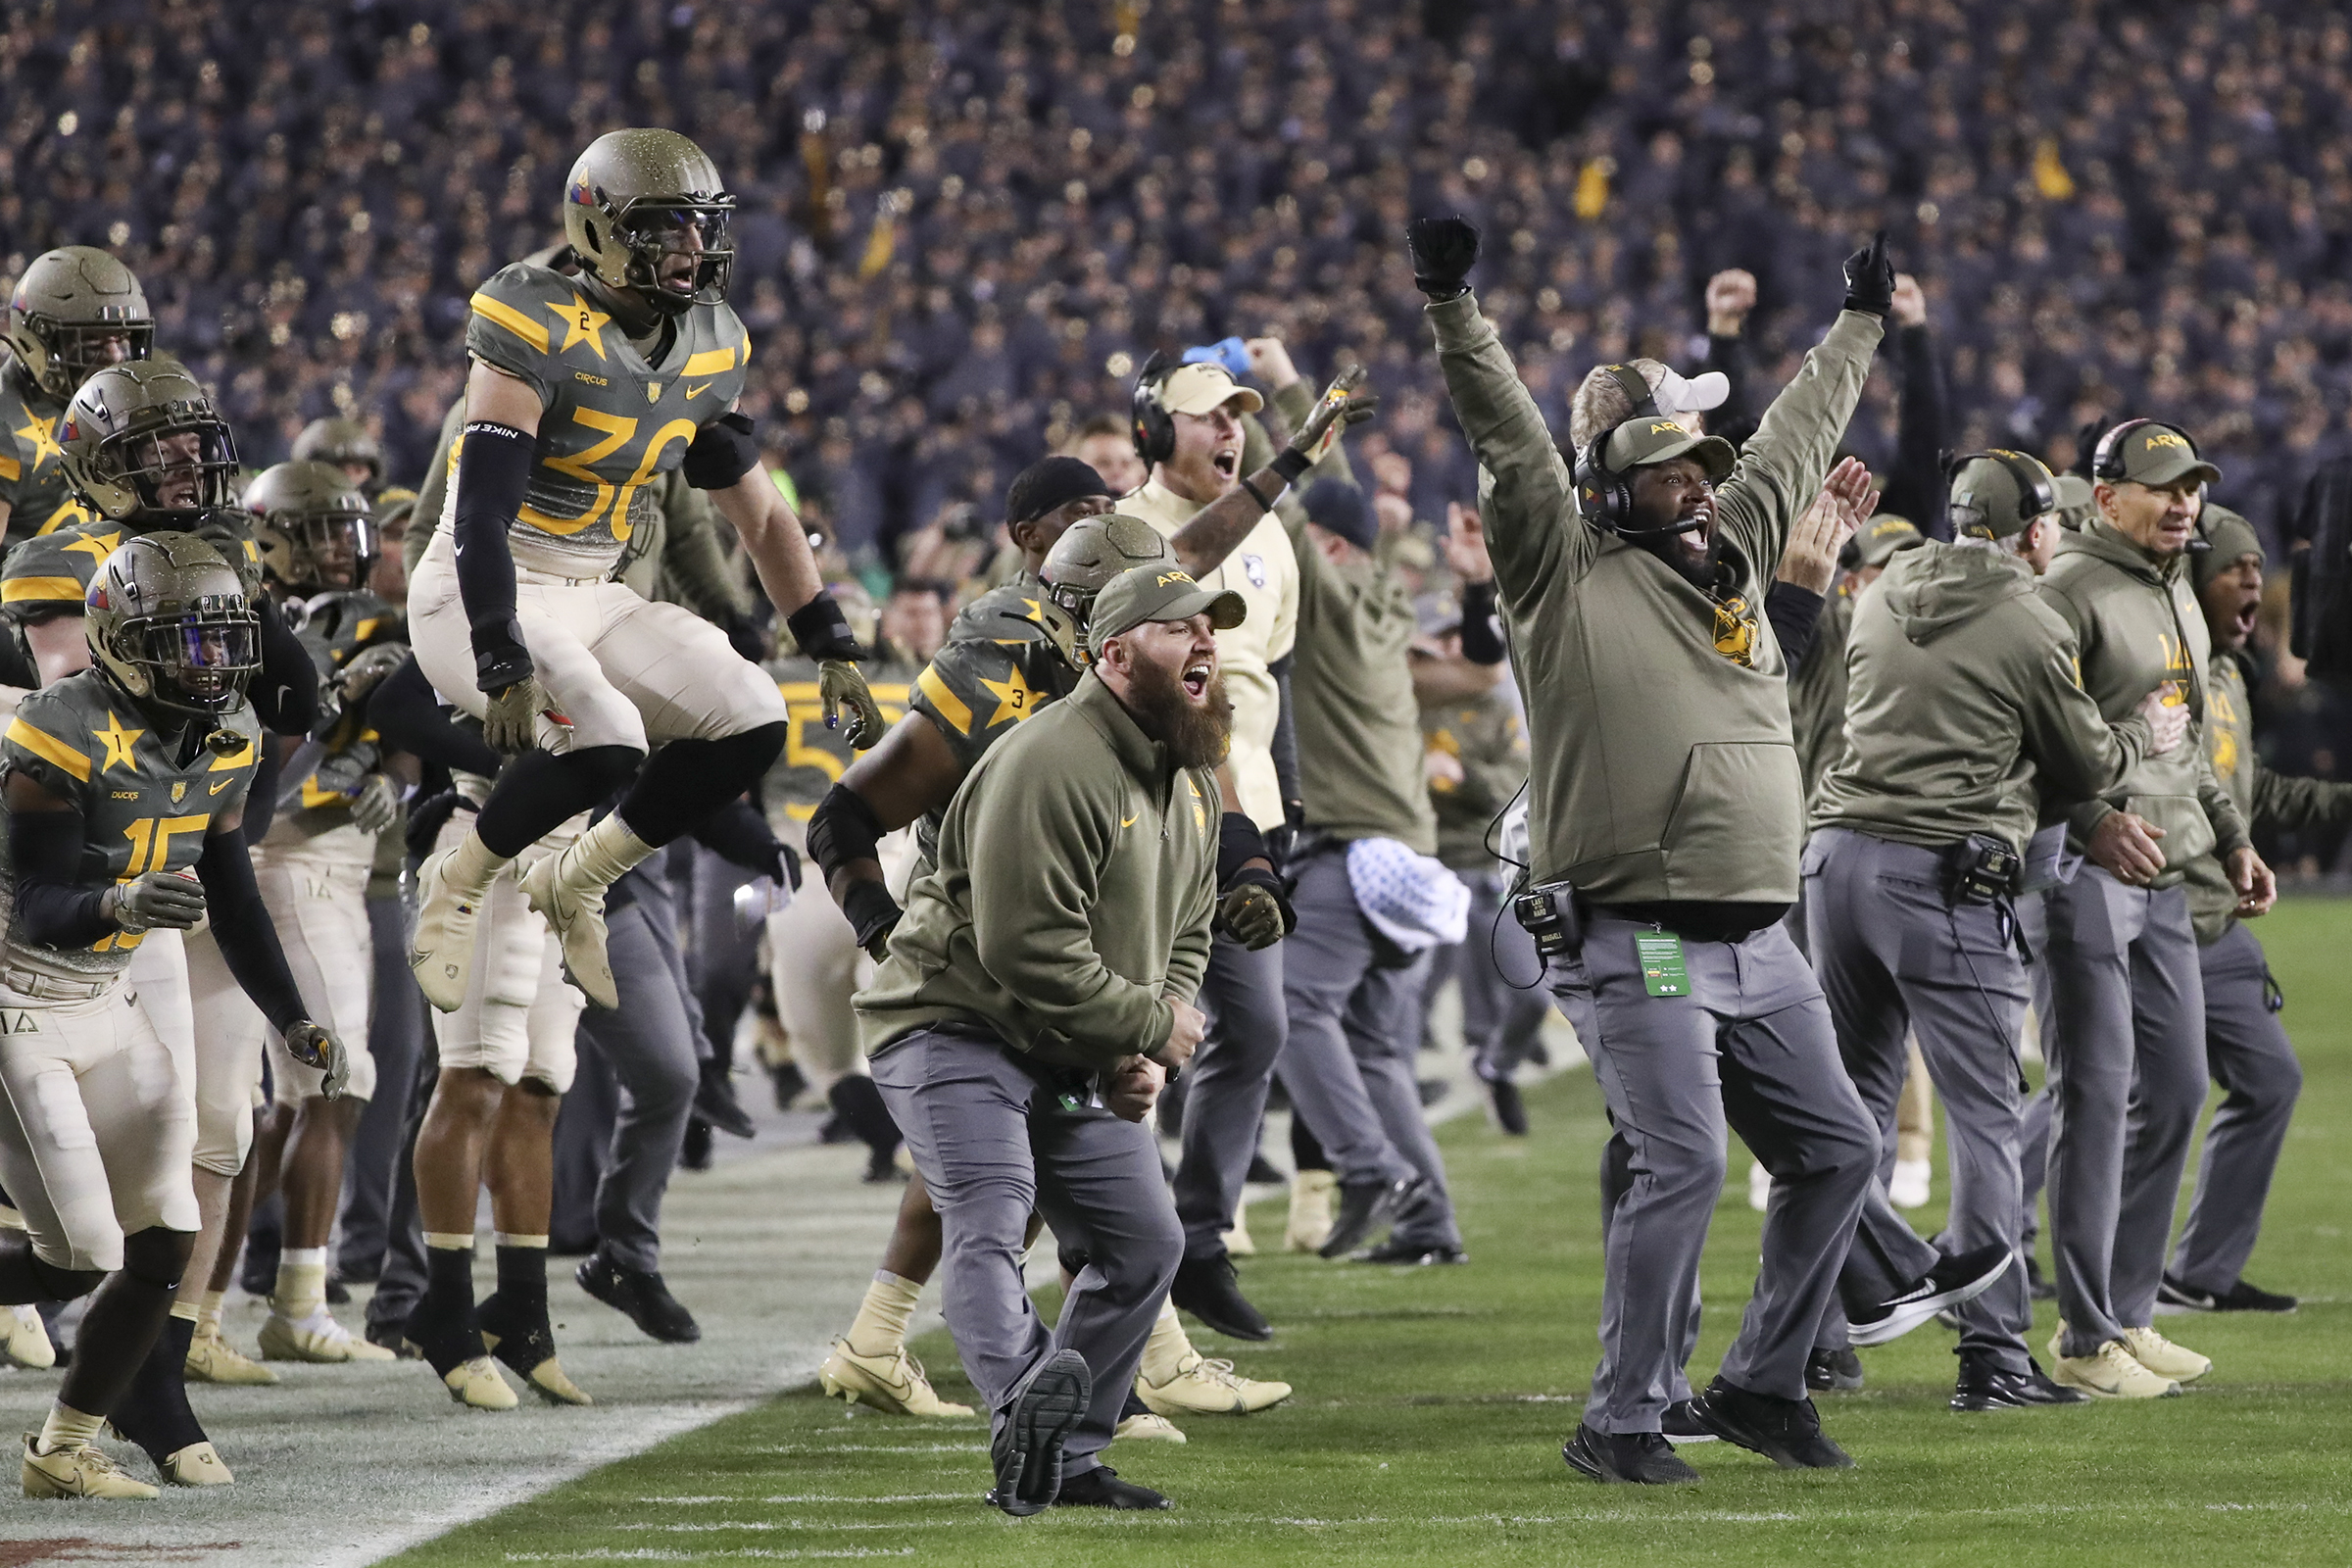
(1777, 1454)
(580, 1277)
(538, 890)
(1231, 1331)
(2066, 1380)
(1591, 1469)
(1911, 1314)
(1040, 1422)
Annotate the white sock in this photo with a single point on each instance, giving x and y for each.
(301, 1283)
(67, 1428)
(603, 855)
(1168, 1349)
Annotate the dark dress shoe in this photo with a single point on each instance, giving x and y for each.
(1788, 1432)
(1641, 1458)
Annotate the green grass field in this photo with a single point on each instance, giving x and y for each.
(1431, 1405)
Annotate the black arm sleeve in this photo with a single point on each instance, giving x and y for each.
(1794, 612)
(261, 796)
(1734, 419)
(410, 718)
(1286, 734)
(53, 909)
(241, 926)
(1915, 486)
(1482, 627)
(843, 830)
(494, 467)
(286, 691)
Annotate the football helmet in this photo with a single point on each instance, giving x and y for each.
(314, 527)
(76, 310)
(144, 444)
(636, 199)
(170, 627)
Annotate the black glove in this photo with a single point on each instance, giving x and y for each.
(1870, 277)
(873, 915)
(1444, 251)
(788, 867)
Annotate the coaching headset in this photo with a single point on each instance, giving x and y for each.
(1151, 426)
(2107, 463)
(1605, 498)
(2034, 484)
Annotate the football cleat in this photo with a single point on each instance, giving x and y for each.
(441, 952)
(1148, 1427)
(1314, 1195)
(1202, 1387)
(895, 1383)
(476, 1385)
(81, 1471)
(2162, 1357)
(2172, 1298)
(199, 1464)
(212, 1359)
(24, 1340)
(317, 1337)
(1238, 1241)
(576, 913)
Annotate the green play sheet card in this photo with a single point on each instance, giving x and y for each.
(1660, 954)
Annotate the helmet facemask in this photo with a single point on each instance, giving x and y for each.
(326, 552)
(181, 469)
(672, 242)
(79, 350)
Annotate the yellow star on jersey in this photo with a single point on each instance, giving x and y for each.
(1036, 615)
(44, 445)
(1015, 699)
(118, 742)
(582, 324)
(99, 545)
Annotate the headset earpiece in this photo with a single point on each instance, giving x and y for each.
(1148, 423)
(2106, 462)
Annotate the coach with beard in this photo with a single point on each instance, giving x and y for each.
(1037, 994)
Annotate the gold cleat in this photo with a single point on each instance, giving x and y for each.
(199, 1464)
(24, 1340)
(441, 952)
(212, 1359)
(1239, 1243)
(895, 1383)
(1150, 1427)
(476, 1385)
(2111, 1374)
(1313, 1193)
(1202, 1387)
(317, 1337)
(2162, 1357)
(576, 915)
(81, 1471)
(547, 1379)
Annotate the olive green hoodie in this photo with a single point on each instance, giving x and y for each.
(1962, 713)
(1072, 896)
(2262, 796)
(2137, 624)
(1817, 693)
(1663, 769)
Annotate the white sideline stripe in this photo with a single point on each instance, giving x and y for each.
(658, 1555)
(813, 1496)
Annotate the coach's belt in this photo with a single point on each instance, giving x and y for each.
(28, 983)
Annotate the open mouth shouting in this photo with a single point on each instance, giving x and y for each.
(1227, 460)
(1197, 674)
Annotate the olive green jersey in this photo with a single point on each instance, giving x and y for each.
(815, 756)
(997, 667)
(611, 423)
(1482, 733)
(47, 576)
(333, 629)
(142, 807)
(32, 469)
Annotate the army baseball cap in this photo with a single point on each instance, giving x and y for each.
(2230, 537)
(1202, 387)
(1876, 541)
(1641, 442)
(1162, 592)
(2156, 455)
(1997, 494)
(2078, 501)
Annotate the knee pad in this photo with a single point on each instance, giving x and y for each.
(157, 1257)
(66, 1284)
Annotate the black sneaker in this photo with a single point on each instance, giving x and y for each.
(1788, 1432)
(1510, 1111)
(1264, 1173)
(1027, 1448)
(2040, 1288)
(338, 1294)
(1206, 1288)
(639, 1296)
(1412, 1255)
(789, 1082)
(1641, 1458)
(2239, 1297)
(694, 1149)
(1680, 1425)
(1102, 1487)
(393, 1336)
(1433, 1089)
(1833, 1371)
(715, 1102)
(1363, 1207)
(1984, 1386)
(1962, 1277)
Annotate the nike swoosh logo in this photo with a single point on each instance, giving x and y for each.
(693, 392)
(223, 784)
(1126, 822)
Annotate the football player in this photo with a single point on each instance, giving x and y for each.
(146, 452)
(120, 780)
(314, 527)
(583, 392)
(1015, 650)
(76, 309)
(348, 447)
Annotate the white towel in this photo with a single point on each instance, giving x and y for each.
(1415, 901)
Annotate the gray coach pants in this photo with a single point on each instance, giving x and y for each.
(1751, 1047)
(1354, 1028)
(1894, 955)
(1225, 1089)
(993, 1144)
(648, 1045)
(2127, 1082)
(1503, 1001)
(2251, 1058)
